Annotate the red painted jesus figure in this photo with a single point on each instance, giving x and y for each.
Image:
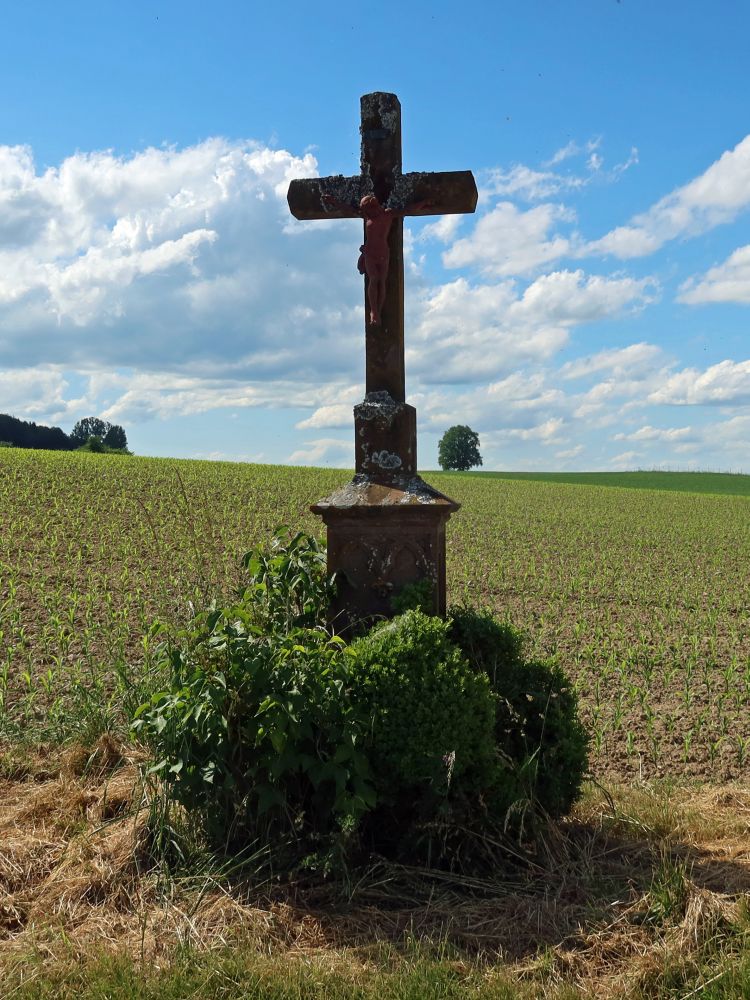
(374, 256)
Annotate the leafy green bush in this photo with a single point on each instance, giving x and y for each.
(254, 733)
(418, 596)
(537, 730)
(491, 646)
(95, 444)
(99, 447)
(288, 584)
(432, 719)
(270, 730)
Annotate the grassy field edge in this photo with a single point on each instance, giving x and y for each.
(717, 483)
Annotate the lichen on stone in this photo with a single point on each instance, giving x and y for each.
(386, 459)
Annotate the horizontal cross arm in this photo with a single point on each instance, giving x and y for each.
(334, 197)
(448, 193)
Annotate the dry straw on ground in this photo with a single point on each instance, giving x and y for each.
(627, 885)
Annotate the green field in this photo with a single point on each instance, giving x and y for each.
(643, 595)
(732, 484)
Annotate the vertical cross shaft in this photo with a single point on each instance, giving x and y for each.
(380, 161)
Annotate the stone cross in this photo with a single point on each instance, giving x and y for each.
(400, 194)
(386, 528)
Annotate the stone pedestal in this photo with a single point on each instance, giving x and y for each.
(380, 538)
(385, 438)
(386, 528)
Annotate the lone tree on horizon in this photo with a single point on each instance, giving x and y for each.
(459, 448)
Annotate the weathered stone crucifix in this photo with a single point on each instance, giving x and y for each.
(386, 528)
(339, 197)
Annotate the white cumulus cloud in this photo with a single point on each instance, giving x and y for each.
(507, 241)
(648, 433)
(468, 332)
(324, 451)
(635, 359)
(571, 297)
(728, 282)
(717, 196)
(32, 393)
(333, 415)
(525, 182)
(727, 382)
(169, 259)
(625, 460)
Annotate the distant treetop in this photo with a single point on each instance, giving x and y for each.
(459, 448)
(26, 434)
(110, 435)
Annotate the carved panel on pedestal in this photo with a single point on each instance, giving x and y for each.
(373, 570)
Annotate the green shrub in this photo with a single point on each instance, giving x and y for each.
(491, 646)
(419, 737)
(537, 730)
(94, 444)
(432, 719)
(288, 584)
(254, 733)
(100, 447)
(418, 596)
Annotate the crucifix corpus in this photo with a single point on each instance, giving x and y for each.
(386, 528)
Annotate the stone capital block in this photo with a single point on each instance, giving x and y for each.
(385, 438)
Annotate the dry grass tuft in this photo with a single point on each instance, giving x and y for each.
(630, 954)
(105, 757)
(634, 882)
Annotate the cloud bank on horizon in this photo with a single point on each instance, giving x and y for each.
(174, 282)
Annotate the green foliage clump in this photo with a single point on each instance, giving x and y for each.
(459, 448)
(95, 434)
(94, 444)
(432, 716)
(270, 730)
(99, 447)
(254, 734)
(288, 584)
(537, 729)
(116, 438)
(417, 596)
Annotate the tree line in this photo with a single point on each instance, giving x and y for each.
(91, 433)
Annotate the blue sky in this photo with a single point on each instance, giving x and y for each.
(593, 314)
